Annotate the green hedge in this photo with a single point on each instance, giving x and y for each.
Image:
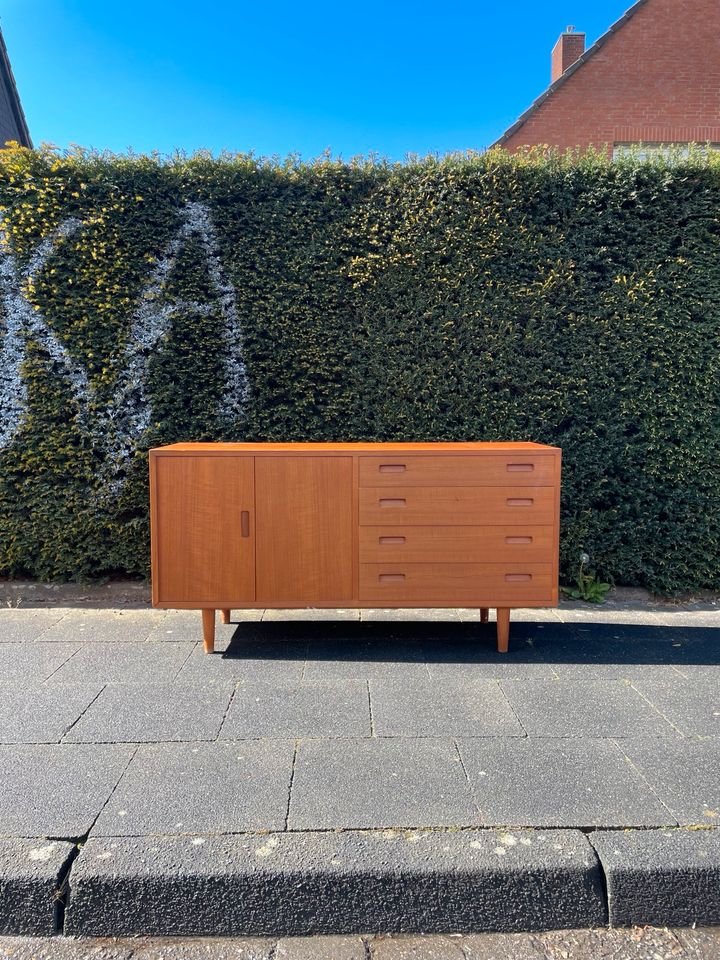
(570, 301)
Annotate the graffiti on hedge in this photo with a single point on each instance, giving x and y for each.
(116, 427)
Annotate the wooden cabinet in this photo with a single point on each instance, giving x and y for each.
(305, 530)
(243, 525)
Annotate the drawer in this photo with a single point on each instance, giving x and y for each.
(519, 469)
(456, 584)
(408, 544)
(457, 506)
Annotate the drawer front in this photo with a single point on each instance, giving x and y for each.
(457, 506)
(518, 469)
(461, 584)
(408, 544)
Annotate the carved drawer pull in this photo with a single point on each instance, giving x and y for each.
(520, 467)
(518, 539)
(387, 502)
(520, 501)
(391, 540)
(392, 468)
(245, 524)
(391, 577)
(518, 577)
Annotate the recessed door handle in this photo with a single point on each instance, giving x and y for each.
(520, 501)
(391, 577)
(390, 502)
(245, 523)
(520, 467)
(392, 468)
(518, 577)
(518, 539)
(384, 540)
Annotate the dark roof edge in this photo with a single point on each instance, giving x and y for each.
(590, 52)
(7, 76)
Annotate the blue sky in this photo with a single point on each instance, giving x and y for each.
(387, 77)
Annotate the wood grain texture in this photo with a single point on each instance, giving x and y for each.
(456, 584)
(457, 506)
(208, 628)
(453, 544)
(198, 553)
(304, 529)
(531, 469)
(503, 629)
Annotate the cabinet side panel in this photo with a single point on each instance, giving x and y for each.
(304, 529)
(201, 551)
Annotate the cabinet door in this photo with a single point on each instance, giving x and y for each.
(203, 531)
(304, 529)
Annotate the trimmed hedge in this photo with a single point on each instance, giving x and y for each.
(566, 300)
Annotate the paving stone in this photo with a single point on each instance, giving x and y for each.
(91, 625)
(637, 943)
(432, 614)
(149, 713)
(470, 659)
(315, 614)
(615, 651)
(624, 629)
(685, 774)
(124, 662)
(42, 713)
(365, 660)
(282, 709)
(419, 948)
(570, 612)
(201, 788)
(669, 877)
(33, 662)
(291, 884)
(186, 626)
(598, 656)
(503, 946)
(594, 708)
(320, 948)
(30, 877)
(441, 708)
(250, 660)
(58, 790)
(206, 949)
(64, 948)
(559, 783)
(691, 705)
(379, 783)
(700, 943)
(691, 618)
(24, 625)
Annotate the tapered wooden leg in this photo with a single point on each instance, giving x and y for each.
(208, 618)
(224, 616)
(503, 629)
(484, 614)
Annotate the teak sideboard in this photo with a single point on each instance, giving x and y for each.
(255, 525)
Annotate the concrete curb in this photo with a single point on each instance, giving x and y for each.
(663, 877)
(31, 878)
(294, 884)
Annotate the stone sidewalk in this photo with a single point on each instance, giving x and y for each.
(332, 772)
(638, 943)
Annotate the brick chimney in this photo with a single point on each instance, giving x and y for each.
(566, 51)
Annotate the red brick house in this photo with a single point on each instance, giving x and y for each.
(653, 79)
(13, 125)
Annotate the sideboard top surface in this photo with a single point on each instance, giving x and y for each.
(350, 448)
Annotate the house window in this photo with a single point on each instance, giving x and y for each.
(669, 151)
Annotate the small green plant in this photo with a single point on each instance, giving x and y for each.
(587, 586)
